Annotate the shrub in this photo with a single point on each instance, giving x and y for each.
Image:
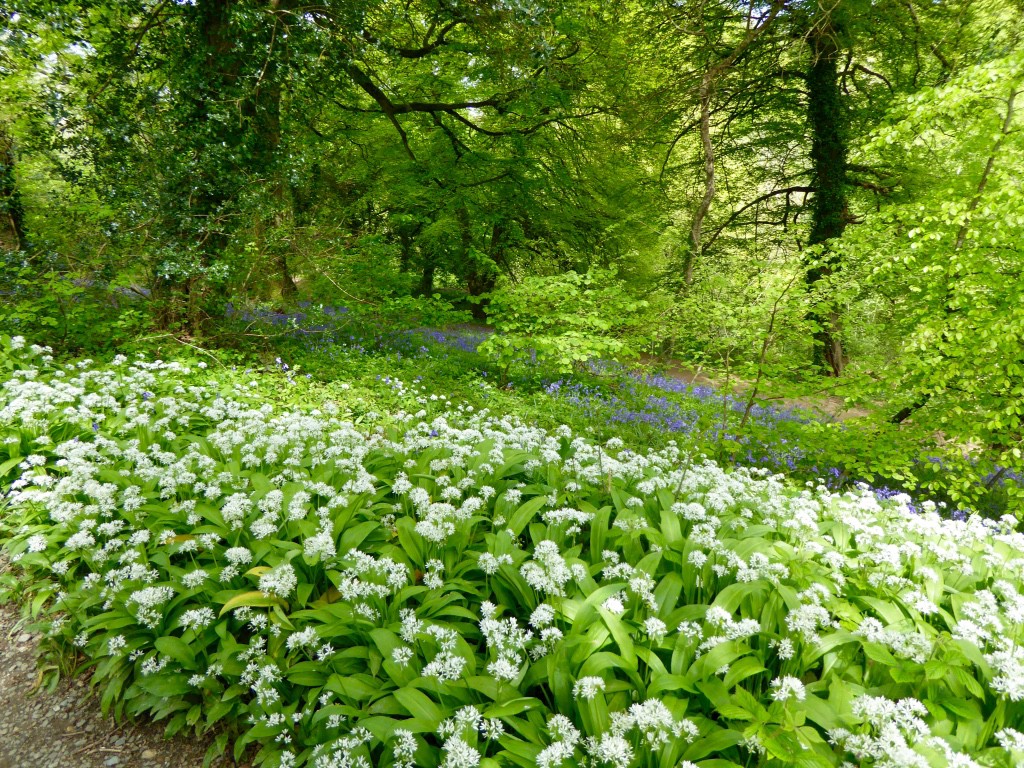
(43, 302)
(563, 321)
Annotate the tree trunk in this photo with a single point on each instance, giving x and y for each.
(288, 288)
(263, 112)
(219, 72)
(476, 269)
(427, 278)
(12, 212)
(205, 194)
(483, 277)
(829, 213)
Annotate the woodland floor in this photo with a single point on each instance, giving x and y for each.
(65, 728)
(831, 407)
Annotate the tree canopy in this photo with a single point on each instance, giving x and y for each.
(827, 192)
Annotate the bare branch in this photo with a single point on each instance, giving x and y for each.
(787, 191)
(880, 76)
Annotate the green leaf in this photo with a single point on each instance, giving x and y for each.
(742, 669)
(822, 713)
(309, 674)
(216, 749)
(410, 540)
(419, 705)
(718, 740)
(525, 513)
(513, 707)
(621, 636)
(8, 465)
(734, 712)
(252, 599)
(164, 685)
(721, 655)
(177, 649)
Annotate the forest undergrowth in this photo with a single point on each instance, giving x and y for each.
(364, 571)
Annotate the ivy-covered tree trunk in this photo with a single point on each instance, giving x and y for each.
(12, 213)
(427, 276)
(263, 112)
(264, 108)
(218, 74)
(198, 226)
(829, 213)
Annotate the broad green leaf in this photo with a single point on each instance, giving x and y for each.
(711, 743)
(419, 705)
(512, 707)
(252, 599)
(519, 519)
(177, 649)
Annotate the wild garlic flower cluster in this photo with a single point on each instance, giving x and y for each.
(451, 587)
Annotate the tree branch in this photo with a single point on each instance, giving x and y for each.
(426, 49)
(934, 47)
(705, 93)
(883, 78)
(787, 191)
(365, 82)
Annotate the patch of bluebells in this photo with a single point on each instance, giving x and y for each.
(636, 405)
(658, 412)
(465, 340)
(632, 403)
(886, 493)
(591, 400)
(296, 322)
(766, 414)
(327, 330)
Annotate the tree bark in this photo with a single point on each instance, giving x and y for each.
(829, 213)
(12, 211)
(206, 193)
(483, 277)
(479, 275)
(427, 276)
(262, 111)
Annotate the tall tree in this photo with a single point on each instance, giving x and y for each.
(828, 123)
(12, 210)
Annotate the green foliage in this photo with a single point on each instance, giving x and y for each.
(564, 320)
(946, 255)
(419, 311)
(51, 306)
(462, 589)
(366, 270)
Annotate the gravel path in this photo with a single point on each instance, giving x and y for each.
(65, 729)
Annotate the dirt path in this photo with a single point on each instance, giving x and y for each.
(827, 407)
(832, 407)
(65, 729)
